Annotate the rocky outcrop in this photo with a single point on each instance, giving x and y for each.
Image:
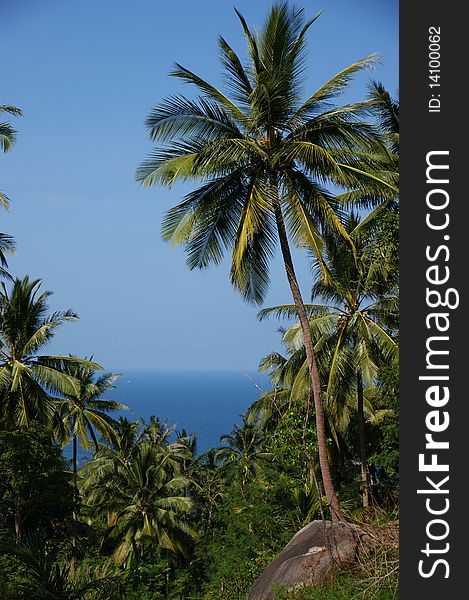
(312, 556)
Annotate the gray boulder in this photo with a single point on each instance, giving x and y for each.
(312, 556)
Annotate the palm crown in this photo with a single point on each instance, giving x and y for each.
(138, 486)
(264, 154)
(244, 447)
(84, 411)
(28, 379)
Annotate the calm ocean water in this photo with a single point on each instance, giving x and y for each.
(206, 403)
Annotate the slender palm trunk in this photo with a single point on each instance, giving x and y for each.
(310, 466)
(362, 434)
(336, 513)
(18, 524)
(75, 509)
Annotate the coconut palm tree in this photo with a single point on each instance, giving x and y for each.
(28, 379)
(119, 448)
(82, 415)
(264, 155)
(142, 501)
(158, 432)
(355, 324)
(244, 448)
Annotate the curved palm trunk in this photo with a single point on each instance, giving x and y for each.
(362, 434)
(310, 466)
(336, 513)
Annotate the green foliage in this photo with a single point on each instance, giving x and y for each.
(250, 527)
(242, 453)
(142, 496)
(355, 320)
(157, 579)
(286, 441)
(27, 379)
(36, 574)
(35, 491)
(384, 440)
(84, 412)
(155, 521)
(147, 580)
(387, 237)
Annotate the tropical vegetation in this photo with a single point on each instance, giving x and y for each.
(264, 157)
(95, 505)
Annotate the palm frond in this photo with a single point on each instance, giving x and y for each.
(254, 244)
(212, 92)
(237, 78)
(7, 137)
(178, 117)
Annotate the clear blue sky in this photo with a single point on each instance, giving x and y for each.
(86, 73)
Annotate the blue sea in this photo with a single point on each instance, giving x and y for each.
(209, 404)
